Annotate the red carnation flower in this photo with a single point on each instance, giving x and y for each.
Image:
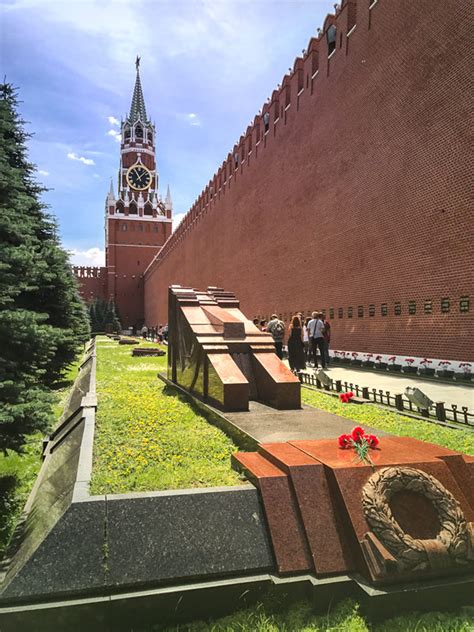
(372, 440)
(344, 441)
(357, 433)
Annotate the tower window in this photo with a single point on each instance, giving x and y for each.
(349, 312)
(371, 309)
(126, 133)
(124, 227)
(132, 209)
(445, 305)
(398, 309)
(384, 309)
(340, 312)
(148, 209)
(428, 307)
(412, 308)
(139, 132)
(360, 311)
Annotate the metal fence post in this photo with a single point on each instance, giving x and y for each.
(440, 411)
(338, 386)
(398, 401)
(365, 392)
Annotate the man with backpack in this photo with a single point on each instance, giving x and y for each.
(316, 330)
(276, 328)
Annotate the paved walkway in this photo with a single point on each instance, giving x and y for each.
(267, 425)
(462, 395)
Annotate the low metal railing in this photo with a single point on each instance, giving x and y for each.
(438, 412)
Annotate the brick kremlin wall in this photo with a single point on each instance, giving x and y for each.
(92, 282)
(357, 199)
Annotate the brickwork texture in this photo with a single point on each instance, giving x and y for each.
(352, 190)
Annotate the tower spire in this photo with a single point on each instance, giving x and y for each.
(137, 109)
(168, 200)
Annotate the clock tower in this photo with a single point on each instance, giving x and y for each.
(138, 221)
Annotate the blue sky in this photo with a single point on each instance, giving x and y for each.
(207, 67)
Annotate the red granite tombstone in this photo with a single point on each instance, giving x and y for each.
(408, 515)
(216, 353)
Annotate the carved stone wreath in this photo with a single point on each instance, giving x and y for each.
(452, 544)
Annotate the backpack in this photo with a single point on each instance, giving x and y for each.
(278, 329)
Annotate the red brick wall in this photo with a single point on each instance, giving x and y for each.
(359, 193)
(129, 252)
(92, 282)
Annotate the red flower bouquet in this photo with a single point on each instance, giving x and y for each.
(346, 397)
(361, 443)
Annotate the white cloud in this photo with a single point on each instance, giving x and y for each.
(177, 219)
(91, 257)
(113, 121)
(191, 118)
(42, 172)
(87, 161)
(96, 175)
(115, 135)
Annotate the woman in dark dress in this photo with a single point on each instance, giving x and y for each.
(295, 346)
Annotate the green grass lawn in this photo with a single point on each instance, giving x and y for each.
(344, 617)
(390, 421)
(147, 437)
(18, 471)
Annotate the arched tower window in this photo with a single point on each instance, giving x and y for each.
(119, 207)
(126, 134)
(148, 209)
(331, 38)
(139, 132)
(132, 209)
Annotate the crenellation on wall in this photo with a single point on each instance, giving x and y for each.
(293, 85)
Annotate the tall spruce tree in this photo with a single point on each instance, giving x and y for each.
(103, 316)
(42, 318)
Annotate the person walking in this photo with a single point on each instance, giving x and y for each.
(327, 339)
(276, 328)
(316, 338)
(295, 346)
(306, 340)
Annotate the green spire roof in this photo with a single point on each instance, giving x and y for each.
(137, 109)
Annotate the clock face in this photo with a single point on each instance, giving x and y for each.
(138, 177)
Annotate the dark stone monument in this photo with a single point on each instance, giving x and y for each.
(147, 351)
